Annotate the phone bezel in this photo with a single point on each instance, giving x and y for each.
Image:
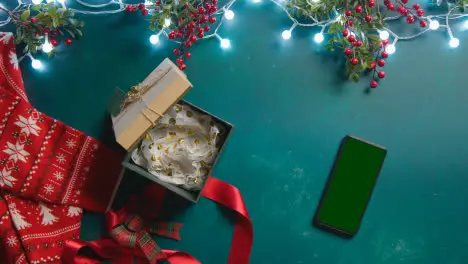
(325, 226)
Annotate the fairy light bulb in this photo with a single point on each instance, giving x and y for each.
(454, 42)
(229, 14)
(256, 1)
(49, 1)
(61, 1)
(390, 49)
(318, 38)
(167, 22)
(36, 64)
(225, 43)
(384, 35)
(36, 2)
(46, 47)
(154, 39)
(465, 24)
(434, 24)
(286, 34)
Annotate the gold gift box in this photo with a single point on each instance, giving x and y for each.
(137, 111)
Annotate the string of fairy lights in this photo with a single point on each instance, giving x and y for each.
(225, 14)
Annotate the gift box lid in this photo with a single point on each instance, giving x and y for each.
(135, 112)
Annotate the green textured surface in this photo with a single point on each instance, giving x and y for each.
(291, 108)
(350, 185)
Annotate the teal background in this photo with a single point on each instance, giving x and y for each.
(291, 108)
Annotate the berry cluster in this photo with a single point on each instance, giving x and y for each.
(188, 31)
(53, 35)
(363, 15)
(134, 8)
(407, 12)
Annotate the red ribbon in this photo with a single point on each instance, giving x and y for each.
(215, 189)
(229, 196)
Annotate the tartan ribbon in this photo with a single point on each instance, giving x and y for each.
(130, 236)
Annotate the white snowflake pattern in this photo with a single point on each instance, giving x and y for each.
(49, 189)
(71, 143)
(13, 59)
(11, 241)
(74, 211)
(16, 152)
(6, 37)
(6, 178)
(58, 175)
(61, 158)
(28, 125)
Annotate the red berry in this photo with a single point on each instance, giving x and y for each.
(420, 12)
(400, 9)
(193, 38)
(188, 55)
(68, 41)
(422, 23)
(373, 84)
(384, 54)
(349, 13)
(141, 6)
(345, 33)
(199, 30)
(54, 42)
(371, 3)
(200, 35)
(386, 2)
(172, 35)
(180, 61)
(191, 24)
(55, 32)
(351, 38)
(381, 63)
(208, 6)
(213, 9)
(410, 19)
(201, 10)
(350, 23)
(404, 1)
(391, 7)
(348, 51)
(372, 65)
(188, 44)
(33, 19)
(179, 35)
(385, 42)
(176, 52)
(357, 43)
(405, 12)
(37, 34)
(144, 12)
(214, 2)
(129, 8)
(354, 61)
(204, 18)
(206, 28)
(186, 6)
(358, 9)
(182, 67)
(368, 18)
(381, 75)
(46, 31)
(416, 6)
(212, 19)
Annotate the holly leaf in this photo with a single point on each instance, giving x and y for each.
(25, 15)
(79, 32)
(36, 7)
(354, 77)
(51, 54)
(71, 33)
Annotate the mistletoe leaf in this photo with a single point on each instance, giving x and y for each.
(25, 15)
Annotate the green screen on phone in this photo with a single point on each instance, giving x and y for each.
(350, 186)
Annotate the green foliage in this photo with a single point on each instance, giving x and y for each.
(58, 20)
(367, 32)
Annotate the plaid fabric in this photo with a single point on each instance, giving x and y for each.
(166, 229)
(134, 234)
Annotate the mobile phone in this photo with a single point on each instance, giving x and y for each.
(349, 186)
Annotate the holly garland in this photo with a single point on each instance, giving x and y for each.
(353, 26)
(37, 24)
